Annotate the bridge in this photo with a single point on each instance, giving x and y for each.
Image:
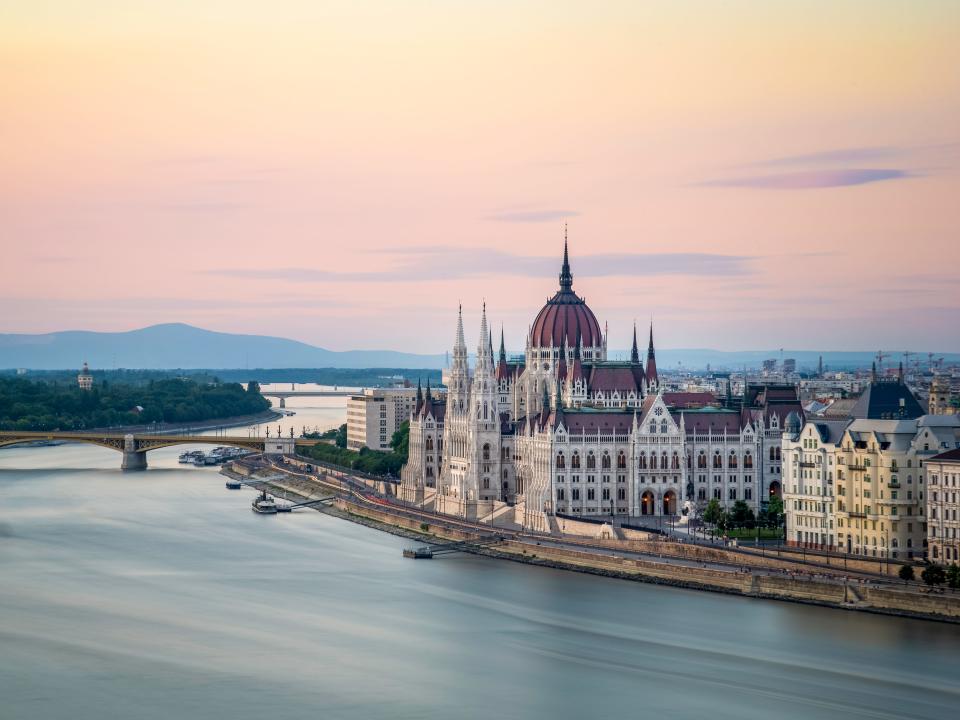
(135, 446)
(282, 395)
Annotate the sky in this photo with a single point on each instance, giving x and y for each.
(748, 174)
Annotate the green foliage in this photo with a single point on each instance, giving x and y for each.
(934, 575)
(30, 405)
(713, 513)
(741, 516)
(425, 527)
(365, 460)
(773, 515)
(906, 573)
(340, 438)
(953, 576)
(400, 442)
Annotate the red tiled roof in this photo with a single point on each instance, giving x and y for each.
(607, 379)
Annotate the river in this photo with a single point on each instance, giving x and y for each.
(160, 595)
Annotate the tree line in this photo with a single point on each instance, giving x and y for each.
(32, 405)
(372, 462)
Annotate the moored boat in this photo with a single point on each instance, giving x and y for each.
(264, 504)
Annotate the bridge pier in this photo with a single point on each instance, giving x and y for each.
(133, 459)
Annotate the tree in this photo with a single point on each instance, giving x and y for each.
(400, 442)
(341, 439)
(741, 515)
(934, 575)
(774, 512)
(953, 576)
(714, 513)
(906, 573)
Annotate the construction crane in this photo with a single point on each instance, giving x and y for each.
(880, 356)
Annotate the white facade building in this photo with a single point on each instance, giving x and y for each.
(567, 431)
(374, 416)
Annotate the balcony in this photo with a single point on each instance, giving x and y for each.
(857, 468)
(856, 514)
(893, 484)
(808, 464)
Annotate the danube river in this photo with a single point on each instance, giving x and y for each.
(161, 595)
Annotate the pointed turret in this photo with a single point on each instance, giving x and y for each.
(635, 352)
(427, 398)
(873, 372)
(460, 342)
(419, 394)
(652, 377)
(900, 373)
(503, 348)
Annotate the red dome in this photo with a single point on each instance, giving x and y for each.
(564, 316)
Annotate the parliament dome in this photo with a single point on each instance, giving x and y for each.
(565, 316)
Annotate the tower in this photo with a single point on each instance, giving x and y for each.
(481, 482)
(652, 378)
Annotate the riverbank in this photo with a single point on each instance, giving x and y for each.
(648, 559)
(195, 427)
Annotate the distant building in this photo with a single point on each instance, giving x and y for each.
(373, 417)
(943, 400)
(943, 524)
(85, 379)
(789, 366)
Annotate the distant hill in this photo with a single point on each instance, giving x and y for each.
(177, 345)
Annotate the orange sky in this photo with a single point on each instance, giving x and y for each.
(752, 174)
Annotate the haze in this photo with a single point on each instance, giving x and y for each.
(750, 174)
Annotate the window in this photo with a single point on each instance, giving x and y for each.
(591, 494)
(575, 462)
(591, 461)
(605, 461)
(732, 460)
(621, 461)
(561, 461)
(732, 494)
(748, 460)
(717, 460)
(575, 493)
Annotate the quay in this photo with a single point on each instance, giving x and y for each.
(645, 557)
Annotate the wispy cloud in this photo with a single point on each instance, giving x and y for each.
(812, 179)
(840, 156)
(432, 263)
(532, 216)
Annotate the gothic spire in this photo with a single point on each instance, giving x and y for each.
(484, 337)
(503, 349)
(427, 398)
(635, 353)
(651, 373)
(566, 279)
(419, 393)
(461, 344)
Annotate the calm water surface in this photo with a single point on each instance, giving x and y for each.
(161, 595)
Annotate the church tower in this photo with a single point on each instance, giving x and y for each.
(484, 425)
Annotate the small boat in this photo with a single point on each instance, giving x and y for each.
(264, 504)
(190, 456)
(233, 484)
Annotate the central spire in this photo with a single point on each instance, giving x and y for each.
(566, 279)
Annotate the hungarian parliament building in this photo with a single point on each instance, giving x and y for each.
(566, 432)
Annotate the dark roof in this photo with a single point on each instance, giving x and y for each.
(610, 378)
(885, 400)
(716, 421)
(688, 399)
(952, 455)
(591, 421)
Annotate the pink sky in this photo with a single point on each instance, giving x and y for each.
(751, 174)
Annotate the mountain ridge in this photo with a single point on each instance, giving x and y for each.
(179, 345)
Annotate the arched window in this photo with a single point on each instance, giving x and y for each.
(429, 443)
(778, 456)
(732, 460)
(561, 461)
(675, 462)
(747, 461)
(663, 427)
(663, 461)
(575, 461)
(653, 426)
(642, 461)
(702, 460)
(621, 461)
(591, 461)
(717, 460)
(486, 451)
(772, 454)
(605, 461)
(732, 494)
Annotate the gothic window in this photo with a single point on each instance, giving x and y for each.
(717, 460)
(575, 493)
(605, 461)
(486, 483)
(575, 461)
(716, 493)
(605, 494)
(748, 494)
(561, 462)
(653, 426)
(732, 494)
(560, 494)
(702, 460)
(663, 427)
(486, 451)
(747, 461)
(732, 460)
(702, 494)
(621, 493)
(429, 443)
(772, 455)
(778, 456)
(663, 461)
(675, 462)
(621, 461)
(591, 461)
(591, 494)
(642, 461)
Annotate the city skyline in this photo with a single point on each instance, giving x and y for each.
(339, 174)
